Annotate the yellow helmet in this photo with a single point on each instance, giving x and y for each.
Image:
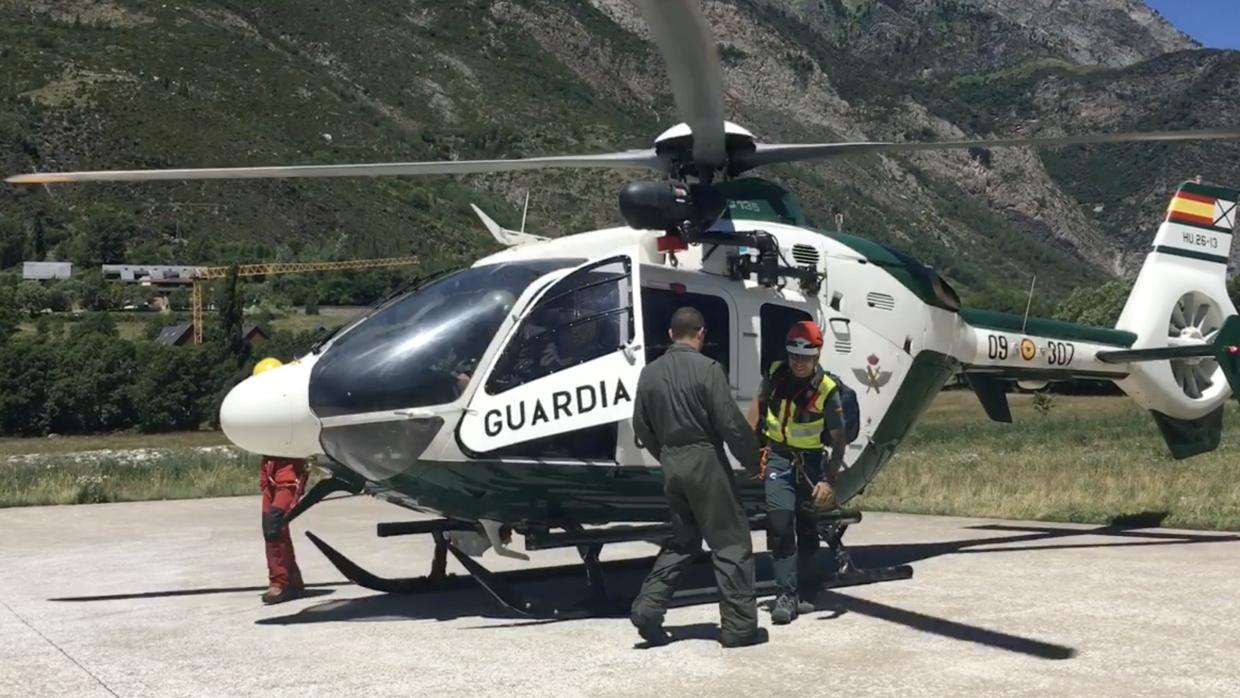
(266, 365)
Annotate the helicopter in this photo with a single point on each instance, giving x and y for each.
(498, 397)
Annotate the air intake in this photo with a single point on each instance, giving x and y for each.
(805, 256)
(882, 301)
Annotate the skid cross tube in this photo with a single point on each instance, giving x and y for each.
(589, 543)
(321, 489)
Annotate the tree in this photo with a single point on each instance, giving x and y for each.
(12, 242)
(38, 238)
(173, 389)
(10, 316)
(91, 290)
(25, 366)
(312, 301)
(103, 232)
(31, 298)
(91, 382)
(56, 298)
(95, 327)
(231, 316)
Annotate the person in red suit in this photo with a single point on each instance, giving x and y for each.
(282, 482)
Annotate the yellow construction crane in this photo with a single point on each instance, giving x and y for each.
(206, 274)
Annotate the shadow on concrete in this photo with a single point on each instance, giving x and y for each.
(1143, 519)
(312, 590)
(622, 585)
(946, 628)
(907, 553)
(681, 633)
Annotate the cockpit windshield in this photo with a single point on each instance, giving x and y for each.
(423, 348)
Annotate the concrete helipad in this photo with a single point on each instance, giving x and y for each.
(161, 599)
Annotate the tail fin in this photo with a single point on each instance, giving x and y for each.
(1180, 299)
(1201, 220)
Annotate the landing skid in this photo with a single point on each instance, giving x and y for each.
(589, 543)
(498, 585)
(845, 572)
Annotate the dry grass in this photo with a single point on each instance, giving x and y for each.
(1090, 459)
(112, 442)
(126, 477)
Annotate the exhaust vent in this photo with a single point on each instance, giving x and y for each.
(882, 301)
(805, 256)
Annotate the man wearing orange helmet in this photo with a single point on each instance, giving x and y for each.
(800, 412)
(282, 481)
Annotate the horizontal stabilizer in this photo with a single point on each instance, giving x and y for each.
(1126, 356)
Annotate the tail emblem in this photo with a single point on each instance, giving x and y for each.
(872, 375)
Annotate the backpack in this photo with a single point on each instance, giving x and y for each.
(848, 399)
(852, 410)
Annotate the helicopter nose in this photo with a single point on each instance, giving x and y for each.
(269, 413)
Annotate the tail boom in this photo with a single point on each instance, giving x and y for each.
(1009, 346)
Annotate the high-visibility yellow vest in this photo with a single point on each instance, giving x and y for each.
(793, 427)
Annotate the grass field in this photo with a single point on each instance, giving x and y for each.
(116, 442)
(122, 468)
(1088, 460)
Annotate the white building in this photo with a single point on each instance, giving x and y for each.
(46, 271)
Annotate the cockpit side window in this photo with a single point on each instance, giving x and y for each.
(585, 315)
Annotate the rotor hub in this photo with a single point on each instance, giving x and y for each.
(675, 147)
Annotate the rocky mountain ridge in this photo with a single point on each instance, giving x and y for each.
(132, 83)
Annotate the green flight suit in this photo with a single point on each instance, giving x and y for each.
(684, 413)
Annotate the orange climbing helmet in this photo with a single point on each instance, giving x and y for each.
(804, 339)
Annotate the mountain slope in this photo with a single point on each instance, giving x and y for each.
(132, 83)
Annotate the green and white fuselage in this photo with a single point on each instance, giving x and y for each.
(504, 392)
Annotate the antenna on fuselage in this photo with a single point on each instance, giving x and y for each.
(1028, 303)
(525, 210)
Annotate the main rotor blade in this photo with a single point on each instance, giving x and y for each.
(766, 154)
(688, 48)
(631, 159)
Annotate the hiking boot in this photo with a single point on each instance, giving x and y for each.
(757, 637)
(804, 606)
(651, 631)
(785, 610)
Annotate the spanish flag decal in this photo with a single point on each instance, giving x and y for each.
(1201, 209)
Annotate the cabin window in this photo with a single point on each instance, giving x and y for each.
(659, 304)
(586, 315)
(775, 321)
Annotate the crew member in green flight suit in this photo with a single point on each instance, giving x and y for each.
(683, 414)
